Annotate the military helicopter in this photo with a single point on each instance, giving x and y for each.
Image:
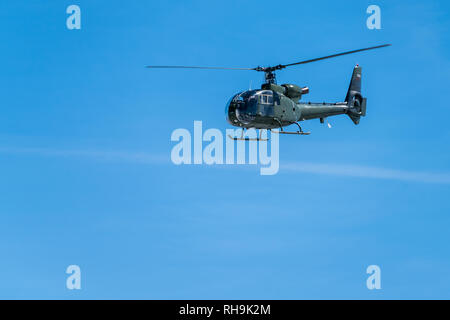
(277, 106)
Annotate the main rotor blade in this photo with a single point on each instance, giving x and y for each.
(334, 55)
(196, 67)
(269, 69)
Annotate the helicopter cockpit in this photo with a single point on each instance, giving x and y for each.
(246, 106)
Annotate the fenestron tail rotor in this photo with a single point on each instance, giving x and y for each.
(269, 71)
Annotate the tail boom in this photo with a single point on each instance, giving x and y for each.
(354, 105)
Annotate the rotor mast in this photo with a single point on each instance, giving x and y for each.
(270, 77)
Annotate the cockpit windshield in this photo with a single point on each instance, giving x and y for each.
(253, 102)
(244, 95)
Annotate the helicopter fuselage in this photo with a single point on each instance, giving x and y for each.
(268, 109)
(277, 106)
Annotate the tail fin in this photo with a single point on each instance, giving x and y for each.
(355, 101)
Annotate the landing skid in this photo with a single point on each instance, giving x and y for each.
(247, 139)
(292, 132)
(242, 138)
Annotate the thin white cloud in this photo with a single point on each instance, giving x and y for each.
(120, 156)
(367, 172)
(299, 167)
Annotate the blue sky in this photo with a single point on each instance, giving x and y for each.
(86, 176)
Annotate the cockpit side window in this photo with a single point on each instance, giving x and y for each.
(265, 99)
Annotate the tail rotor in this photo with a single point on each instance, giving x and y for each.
(355, 101)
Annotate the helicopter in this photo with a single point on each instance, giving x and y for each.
(278, 106)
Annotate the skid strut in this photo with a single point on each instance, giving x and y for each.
(300, 132)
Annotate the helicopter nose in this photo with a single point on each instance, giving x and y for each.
(231, 115)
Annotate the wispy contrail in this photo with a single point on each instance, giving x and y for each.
(300, 167)
(121, 156)
(366, 172)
